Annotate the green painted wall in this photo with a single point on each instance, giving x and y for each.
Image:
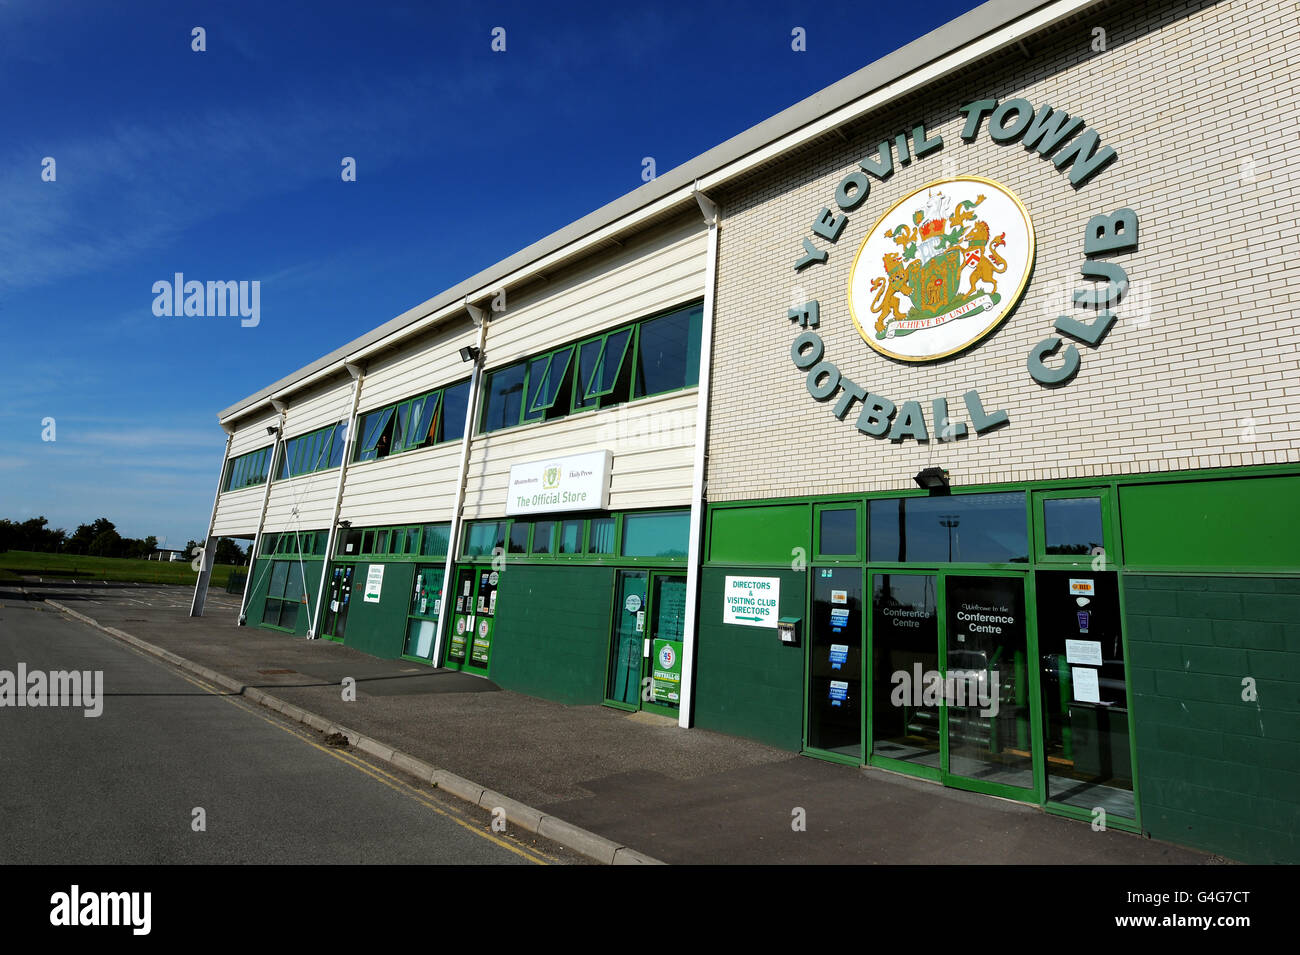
(380, 628)
(257, 591)
(746, 682)
(552, 631)
(766, 534)
(1239, 524)
(1216, 771)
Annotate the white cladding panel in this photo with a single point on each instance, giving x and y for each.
(327, 406)
(653, 443)
(311, 495)
(414, 487)
(251, 434)
(238, 511)
(435, 362)
(650, 275)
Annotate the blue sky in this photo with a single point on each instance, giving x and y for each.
(225, 165)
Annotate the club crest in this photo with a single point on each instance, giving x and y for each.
(941, 269)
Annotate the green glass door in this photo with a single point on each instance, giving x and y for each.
(422, 618)
(462, 621)
(667, 627)
(645, 651)
(833, 724)
(907, 715)
(952, 689)
(338, 597)
(989, 710)
(623, 687)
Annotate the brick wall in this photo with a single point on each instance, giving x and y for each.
(1202, 368)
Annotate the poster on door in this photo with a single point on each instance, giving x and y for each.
(667, 672)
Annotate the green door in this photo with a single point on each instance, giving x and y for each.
(833, 720)
(667, 627)
(422, 618)
(469, 645)
(338, 597)
(952, 689)
(623, 686)
(645, 652)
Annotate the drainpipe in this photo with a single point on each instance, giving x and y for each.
(209, 554)
(358, 374)
(480, 320)
(709, 209)
(283, 408)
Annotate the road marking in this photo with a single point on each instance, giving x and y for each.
(535, 856)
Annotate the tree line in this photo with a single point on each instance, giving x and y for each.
(96, 539)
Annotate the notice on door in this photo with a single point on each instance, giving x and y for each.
(374, 583)
(751, 601)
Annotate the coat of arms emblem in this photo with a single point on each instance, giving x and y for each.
(551, 478)
(941, 269)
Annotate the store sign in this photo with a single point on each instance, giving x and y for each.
(374, 583)
(578, 482)
(944, 266)
(941, 269)
(751, 601)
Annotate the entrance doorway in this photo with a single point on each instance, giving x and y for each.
(338, 598)
(473, 620)
(951, 696)
(835, 703)
(645, 653)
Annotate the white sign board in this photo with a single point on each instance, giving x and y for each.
(1081, 587)
(751, 601)
(374, 583)
(1083, 651)
(1086, 688)
(579, 482)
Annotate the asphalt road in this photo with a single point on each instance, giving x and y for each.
(124, 787)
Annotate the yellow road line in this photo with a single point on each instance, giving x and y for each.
(375, 772)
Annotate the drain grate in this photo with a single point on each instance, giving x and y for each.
(275, 672)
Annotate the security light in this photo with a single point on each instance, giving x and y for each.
(272, 430)
(345, 524)
(932, 479)
(469, 353)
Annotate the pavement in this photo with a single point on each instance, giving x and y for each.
(613, 786)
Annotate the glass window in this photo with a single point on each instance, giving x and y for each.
(484, 538)
(546, 378)
(1072, 525)
(381, 542)
(505, 390)
(837, 530)
(668, 352)
(455, 401)
(367, 541)
(376, 435)
(604, 371)
(656, 535)
(518, 537)
(247, 470)
(571, 537)
(602, 536)
(338, 443)
(436, 539)
(968, 528)
(397, 543)
(544, 537)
